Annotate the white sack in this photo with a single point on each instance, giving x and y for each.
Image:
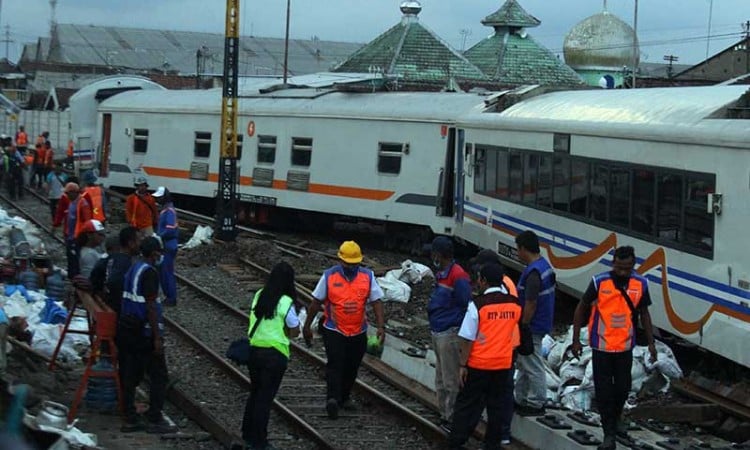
(202, 235)
(394, 290)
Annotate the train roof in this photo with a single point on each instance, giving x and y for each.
(301, 102)
(658, 106)
(689, 115)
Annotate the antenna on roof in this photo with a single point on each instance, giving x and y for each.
(52, 18)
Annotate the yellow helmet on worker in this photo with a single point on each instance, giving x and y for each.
(350, 253)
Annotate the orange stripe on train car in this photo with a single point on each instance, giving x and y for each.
(314, 188)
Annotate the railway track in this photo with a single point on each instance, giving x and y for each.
(379, 419)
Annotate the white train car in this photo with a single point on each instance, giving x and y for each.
(360, 155)
(664, 170)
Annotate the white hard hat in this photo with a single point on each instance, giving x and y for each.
(140, 180)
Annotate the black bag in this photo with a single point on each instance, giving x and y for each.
(527, 340)
(640, 333)
(239, 350)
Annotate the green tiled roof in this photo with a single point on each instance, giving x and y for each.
(511, 14)
(415, 53)
(508, 58)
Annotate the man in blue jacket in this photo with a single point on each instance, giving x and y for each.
(446, 309)
(168, 232)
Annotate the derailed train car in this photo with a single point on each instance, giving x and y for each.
(664, 170)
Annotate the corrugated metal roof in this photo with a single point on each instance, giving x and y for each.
(517, 59)
(659, 106)
(176, 50)
(511, 14)
(414, 53)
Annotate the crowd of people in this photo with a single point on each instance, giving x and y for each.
(484, 326)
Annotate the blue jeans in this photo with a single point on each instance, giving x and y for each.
(167, 278)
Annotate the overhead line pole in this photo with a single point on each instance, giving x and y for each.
(226, 214)
(286, 40)
(635, 44)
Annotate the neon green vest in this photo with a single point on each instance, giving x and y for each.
(270, 332)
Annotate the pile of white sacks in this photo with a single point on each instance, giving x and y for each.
(570, 380)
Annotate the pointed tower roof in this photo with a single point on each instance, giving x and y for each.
(414, 52)
(511, 14)
(512, 57)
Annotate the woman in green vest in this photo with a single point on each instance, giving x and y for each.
(273, 320)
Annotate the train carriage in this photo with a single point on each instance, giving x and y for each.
(664, 170)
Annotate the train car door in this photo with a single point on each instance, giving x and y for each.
(106, 144)
(460, 175)
(447, 179)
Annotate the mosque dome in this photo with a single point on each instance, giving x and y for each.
(602, 41)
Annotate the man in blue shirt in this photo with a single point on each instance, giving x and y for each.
(445, 310)
(536, 292)
(168, 232)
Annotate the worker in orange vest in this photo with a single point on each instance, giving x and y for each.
(96, 197)
(612, 304)
(38, 170)
(140, 209)
(343, 293)
(22, 139)
(42, 138)
(488, 339)
(69, 154)
(49, 160)
(73, 211)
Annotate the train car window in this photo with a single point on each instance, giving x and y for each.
(301, 151)
(503, 174)
(579, 187)
(202, 146)
(644, 198)
(389, 157)
(619, 199)
(561, 143)
(266, 149)
(140, 140)
(599, 194)
(480, 170)
(530, 177)
(544, 193)
(516, 181)
(561, 183)
(669, 207)
(491, 174)
(699, 224)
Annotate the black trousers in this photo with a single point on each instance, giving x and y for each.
(53, 207)
(491, 389)
(611, 385)
(71, 253)
(267, 367)
(344, 357)
(137, 358)
(37, 176)
(14, 180)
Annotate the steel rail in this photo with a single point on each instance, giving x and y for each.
(690, 389)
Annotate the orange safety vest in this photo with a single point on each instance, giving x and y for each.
(611, 322)
(49, 157)
(40, 155)
(344, 307)
(140, 211)
(40, 140)
(22, 139)
(83, 214)
(71, 147)
(95, 198)
(29, 160)
(497, 331)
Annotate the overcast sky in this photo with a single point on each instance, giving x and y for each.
(677, 27)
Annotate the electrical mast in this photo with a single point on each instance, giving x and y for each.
(226, 215)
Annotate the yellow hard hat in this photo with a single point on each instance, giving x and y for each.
(350, 252)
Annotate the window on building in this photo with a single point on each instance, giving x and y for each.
(140, 140)
(202, 146)
(389, 157)
(266, 149)
(301, 151)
